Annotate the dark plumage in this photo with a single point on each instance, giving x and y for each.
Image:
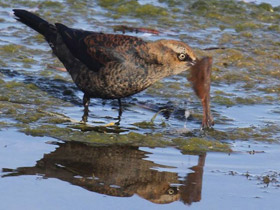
(110, 66)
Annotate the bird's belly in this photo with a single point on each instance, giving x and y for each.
(111, 88)
(111, 92)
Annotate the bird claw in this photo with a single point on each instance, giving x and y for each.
(84, 118)
(207, 124)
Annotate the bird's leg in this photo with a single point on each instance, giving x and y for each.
(120, 111)
(86, 101)
(201, 80)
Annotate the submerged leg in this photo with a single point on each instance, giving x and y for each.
(201, 80)
(86, 101)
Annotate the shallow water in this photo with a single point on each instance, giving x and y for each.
(156, 155)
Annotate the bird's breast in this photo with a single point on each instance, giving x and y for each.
(114, 81)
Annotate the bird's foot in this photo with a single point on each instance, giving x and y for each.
(84, 118)
(207, 123)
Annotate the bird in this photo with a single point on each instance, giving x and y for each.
(111, 66)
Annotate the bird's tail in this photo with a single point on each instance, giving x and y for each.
(38, 24)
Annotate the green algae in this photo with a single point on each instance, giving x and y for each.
(109, 3)
(4, 98)
(28, 118)
(3, 124)
(132, 8)
(249, 100)
(200, 6)
(247, 26)
(10, 48)
(245, 134)
(150, 10)
(216, 10)
(51, 4)
(247, 34)
(200, 145)
(145, 124)
(274, 27)
(266, 7)
(193, 144)
(66, 134)
(13, 84)
(4, 5)
(28, 60)
(222, 100)
(39, 38)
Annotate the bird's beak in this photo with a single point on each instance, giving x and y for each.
(193, 62)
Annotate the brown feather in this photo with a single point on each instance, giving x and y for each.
(201, 80)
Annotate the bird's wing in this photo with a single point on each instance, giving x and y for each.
(95, 50)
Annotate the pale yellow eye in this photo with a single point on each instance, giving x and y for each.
(170, 191)
(182, 56)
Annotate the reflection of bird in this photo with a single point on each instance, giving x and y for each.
(116, 170)
(110, 66)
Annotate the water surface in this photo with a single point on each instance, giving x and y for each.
(71, 175)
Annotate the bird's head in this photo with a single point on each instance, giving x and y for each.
(174, 56)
